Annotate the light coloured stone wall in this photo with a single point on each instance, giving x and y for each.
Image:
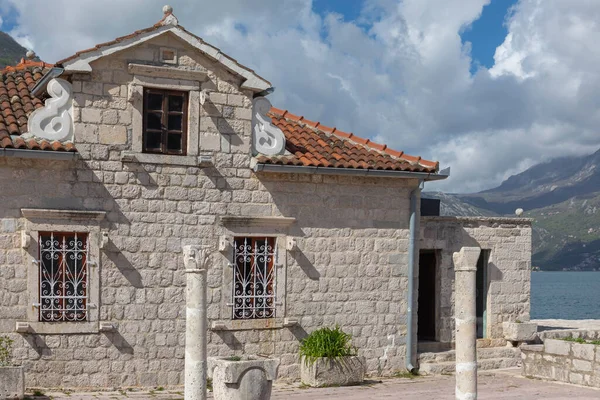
(564, 361)
(349, 269)
(509, 266)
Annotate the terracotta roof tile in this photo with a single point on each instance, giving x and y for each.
(316, 145)
(17, 103)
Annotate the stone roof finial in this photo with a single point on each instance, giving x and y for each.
(30, 54)
(169, 18)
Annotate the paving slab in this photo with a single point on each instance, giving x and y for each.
(496, 385)
(556, 324)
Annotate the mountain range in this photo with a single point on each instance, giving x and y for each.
(563, 198)
(11, 52)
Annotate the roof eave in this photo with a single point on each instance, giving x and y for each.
(40, 87)
(294, 169)
(252, 81)
(39, 154)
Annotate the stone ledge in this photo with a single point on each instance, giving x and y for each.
(167, 72)
(164, 159)
(256, 221)
(497, 220)
(250, 324)
(73, 215)
(53, 328)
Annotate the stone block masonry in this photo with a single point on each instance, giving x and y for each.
(349, 267)
(564, 361)
(507, 241)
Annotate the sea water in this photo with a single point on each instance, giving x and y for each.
(565, 295)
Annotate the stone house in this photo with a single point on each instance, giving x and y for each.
(114, 158)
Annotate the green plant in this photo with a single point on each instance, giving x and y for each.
(406, 374)
(576, 340)
(234, 358)
(581, 340)
(5, 351)
(327, 343)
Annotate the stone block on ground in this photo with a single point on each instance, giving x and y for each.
(247, 378)
(328, 372)
(519, 331)
(560, 347)
(12, 383)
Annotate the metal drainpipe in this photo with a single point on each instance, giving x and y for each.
(413, 245)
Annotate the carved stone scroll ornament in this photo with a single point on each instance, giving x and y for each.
(267, 139)
(54, 121)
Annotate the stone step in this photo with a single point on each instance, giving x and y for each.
(431, 346)
(448, 367)
(482, 354)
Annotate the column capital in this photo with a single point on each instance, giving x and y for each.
(195, 257)
(466, 259)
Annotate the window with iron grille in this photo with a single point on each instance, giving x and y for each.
(165, 122)
(254, 277)
(63, 276)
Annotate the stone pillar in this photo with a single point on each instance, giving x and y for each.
(465, 268)
(195, 259)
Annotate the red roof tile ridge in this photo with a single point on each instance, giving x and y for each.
(380, 148)
(24, 64)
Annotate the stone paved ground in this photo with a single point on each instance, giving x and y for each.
(552, 324)
(496, 385)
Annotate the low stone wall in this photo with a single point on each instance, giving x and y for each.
(564, 361)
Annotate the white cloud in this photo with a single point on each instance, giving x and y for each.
(1, 21)
(404, 79)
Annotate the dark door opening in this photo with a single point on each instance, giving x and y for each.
(427, 295)
(482, 293)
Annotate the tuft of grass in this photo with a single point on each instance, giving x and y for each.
(234, 358)
(406, 374)
(580, 340)
(326, 343)
(160, 389)
(38, 393)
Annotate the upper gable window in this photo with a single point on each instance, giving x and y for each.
(165, 121)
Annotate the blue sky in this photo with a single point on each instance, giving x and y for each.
(485, 34)
(488, 32)
(393, 71)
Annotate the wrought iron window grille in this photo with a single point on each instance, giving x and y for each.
(63, 277)
(254, 266)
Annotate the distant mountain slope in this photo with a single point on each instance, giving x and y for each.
(542, 185)
(453, 205)
(11, 52)
(563, 198)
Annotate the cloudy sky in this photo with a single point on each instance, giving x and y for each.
(488, 89)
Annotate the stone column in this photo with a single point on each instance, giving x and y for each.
(465, 268)
(195, 259)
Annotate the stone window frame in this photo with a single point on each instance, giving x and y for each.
(47, 220)
(276, 265)
(166, 94)
(277, 227)
(136, 97)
